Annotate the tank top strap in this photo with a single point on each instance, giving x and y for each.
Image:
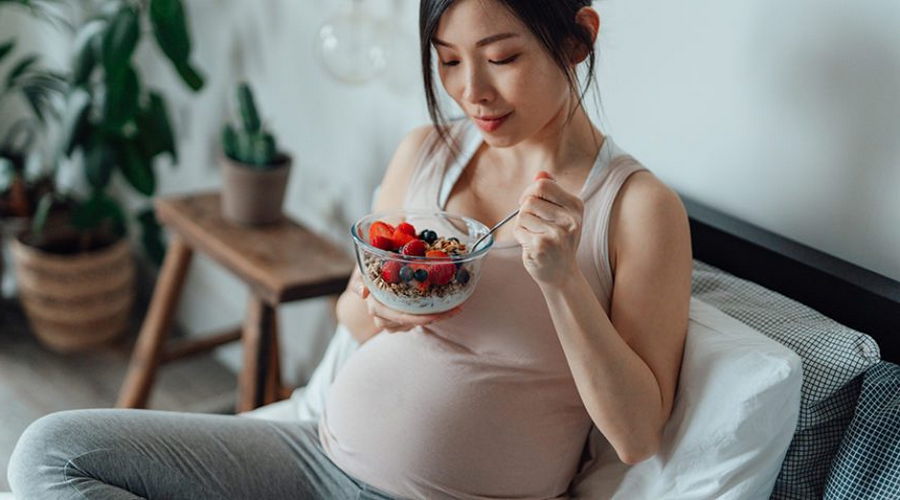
(438, 165)
(599, 198)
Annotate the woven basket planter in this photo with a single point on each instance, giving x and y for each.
(76, 301)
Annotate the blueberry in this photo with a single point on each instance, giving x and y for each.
(428, 236)
(462, 276)
(421, 274)
(406, 273)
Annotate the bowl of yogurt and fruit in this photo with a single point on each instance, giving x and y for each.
(420, 262)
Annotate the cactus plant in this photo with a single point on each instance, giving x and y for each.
(249, 142)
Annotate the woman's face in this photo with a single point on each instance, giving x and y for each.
(498, 72)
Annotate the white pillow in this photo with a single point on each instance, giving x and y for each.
(734, 415)
(311, 398)
(735, 412)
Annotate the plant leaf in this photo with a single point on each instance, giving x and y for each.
(190, 76)
(41, 213)
(40, 88)
(75, 119)
(120, 38)
(121, 103)
(170, 30)
(156, 130)
(87, 47)
(137, 169)
(6, 48)
(99, 160)
(19, 69)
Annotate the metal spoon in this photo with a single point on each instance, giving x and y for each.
(496, 226)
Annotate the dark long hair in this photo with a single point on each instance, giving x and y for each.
(551, 21)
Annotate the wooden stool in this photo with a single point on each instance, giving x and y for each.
(280, 263)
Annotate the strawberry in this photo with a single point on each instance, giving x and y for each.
(436, 254)
(383, 243)
(401, 238)
(379, 228)
(407, 228)
(414, 247)
(390, 272)
(441, 274)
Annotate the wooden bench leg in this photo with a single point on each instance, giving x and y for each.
(156, 327)
(273, 389)
(257, 342)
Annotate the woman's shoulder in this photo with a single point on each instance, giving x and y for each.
(644, 206)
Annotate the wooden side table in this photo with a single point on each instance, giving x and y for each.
(279, 263)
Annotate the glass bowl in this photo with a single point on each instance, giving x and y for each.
(399, 276)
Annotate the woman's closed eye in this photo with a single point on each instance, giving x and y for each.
(500, 62)
(505, 61)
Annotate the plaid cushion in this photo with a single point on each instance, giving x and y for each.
(867, 465)
(834, 358)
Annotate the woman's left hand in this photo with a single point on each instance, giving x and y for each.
(549, 229)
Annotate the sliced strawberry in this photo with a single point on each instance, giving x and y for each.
(436, 254)
(407, 228)
(390, 272)
(401, 238)
(383, 243)
(441, 274)
(379, 228)
(414, 247)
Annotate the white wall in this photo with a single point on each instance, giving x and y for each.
(784, 114)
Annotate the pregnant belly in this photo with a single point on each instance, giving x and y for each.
(412, 414)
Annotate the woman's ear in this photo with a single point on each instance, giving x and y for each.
(588, 19)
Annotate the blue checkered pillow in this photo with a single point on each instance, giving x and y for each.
(834, 358)
(867, 465)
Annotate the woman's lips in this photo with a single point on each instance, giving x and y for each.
(490, 123)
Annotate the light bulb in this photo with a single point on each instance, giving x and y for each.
(350, 46)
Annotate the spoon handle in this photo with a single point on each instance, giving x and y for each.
(496, 226)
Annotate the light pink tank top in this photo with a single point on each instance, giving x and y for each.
(482, 405)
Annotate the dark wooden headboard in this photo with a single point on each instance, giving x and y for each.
(856, 297)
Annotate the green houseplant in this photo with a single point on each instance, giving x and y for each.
(40, 89)
(77, 282)
(255, 172)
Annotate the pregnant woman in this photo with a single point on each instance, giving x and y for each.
(579, 318)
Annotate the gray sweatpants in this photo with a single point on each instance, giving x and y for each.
(127, 454)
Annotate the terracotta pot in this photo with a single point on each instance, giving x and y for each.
(251, 196)
(75, 301)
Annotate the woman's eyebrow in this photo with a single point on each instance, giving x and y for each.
(480, 43)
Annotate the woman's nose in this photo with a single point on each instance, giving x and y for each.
(478, 87)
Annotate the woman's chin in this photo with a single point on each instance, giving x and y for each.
(499, 140)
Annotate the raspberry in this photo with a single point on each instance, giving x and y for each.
(390, 272)
(414, 247)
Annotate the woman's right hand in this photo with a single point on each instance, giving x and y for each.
(389, 319)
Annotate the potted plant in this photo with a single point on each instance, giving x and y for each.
(41, 89)
(76, 282)
(255, 173)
